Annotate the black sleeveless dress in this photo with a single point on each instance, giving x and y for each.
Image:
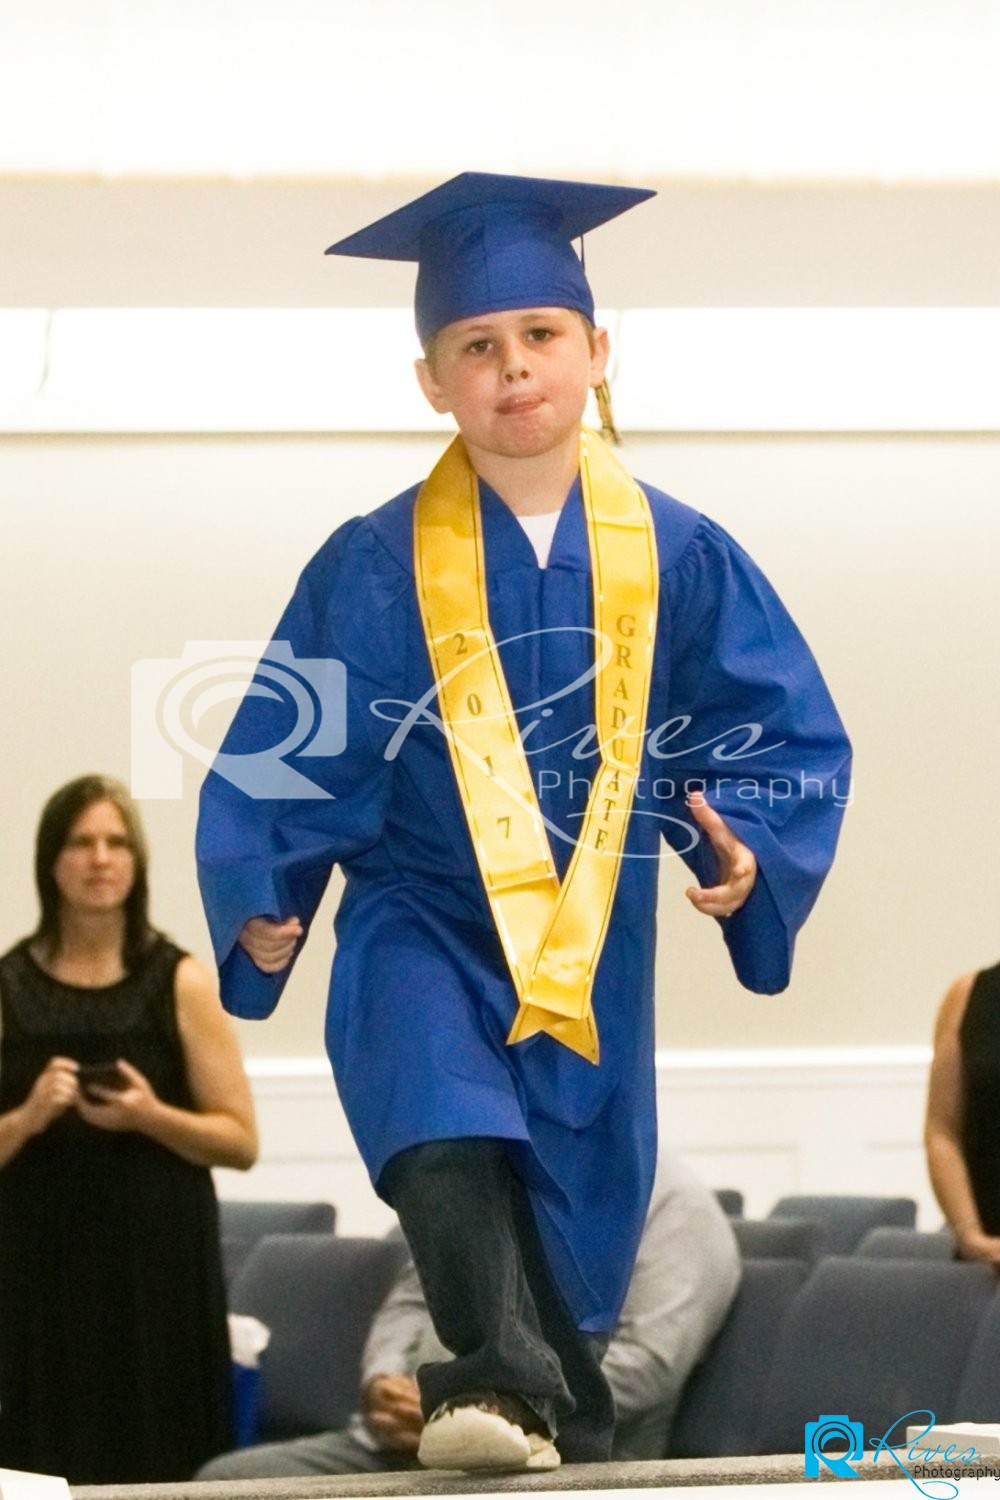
(979, 1036)
(114, 1362)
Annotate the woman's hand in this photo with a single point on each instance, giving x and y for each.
(55, 1090)
(219, 1129)
(129, 1108)
(975, 1245)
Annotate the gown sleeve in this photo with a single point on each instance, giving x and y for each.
(301, 782)
(753, 726)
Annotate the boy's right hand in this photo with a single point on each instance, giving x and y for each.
(270, 944)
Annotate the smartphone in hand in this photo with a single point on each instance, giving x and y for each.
(102, 1075)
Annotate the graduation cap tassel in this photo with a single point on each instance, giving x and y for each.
(609, 431)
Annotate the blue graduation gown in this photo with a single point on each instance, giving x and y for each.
(420, 997)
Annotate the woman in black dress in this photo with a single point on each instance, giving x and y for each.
(121, 1085)
(963, 1114)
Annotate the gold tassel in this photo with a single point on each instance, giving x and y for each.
(609, 431)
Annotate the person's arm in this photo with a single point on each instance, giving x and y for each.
(398, 1329)
(686, 1275)
(946, 1163)
(54, 1091)
(390, 1398)
(220, 1131)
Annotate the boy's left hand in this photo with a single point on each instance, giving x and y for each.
(737, 864)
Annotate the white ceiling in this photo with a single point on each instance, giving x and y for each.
(864, 90)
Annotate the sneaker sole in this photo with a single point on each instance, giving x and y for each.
(469, 1438)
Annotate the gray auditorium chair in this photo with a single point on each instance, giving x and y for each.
(318, 1294)
(846, 1218)
(888, 1243)
(782, 1239)
(243, 1223)
(719, 1410)
(730, 1201)
(978, 1398)
(872, 1339)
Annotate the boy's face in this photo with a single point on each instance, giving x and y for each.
(515, 382)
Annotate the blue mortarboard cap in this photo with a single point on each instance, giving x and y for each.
(489, 243)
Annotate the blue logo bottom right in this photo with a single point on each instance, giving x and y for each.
(835, 1432)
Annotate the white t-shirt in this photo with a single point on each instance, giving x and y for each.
(540, 530)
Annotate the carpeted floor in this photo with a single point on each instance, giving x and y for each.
(773, 1469)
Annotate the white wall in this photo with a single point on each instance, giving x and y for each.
(755, 88)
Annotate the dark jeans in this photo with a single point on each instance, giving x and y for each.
(469, 1224)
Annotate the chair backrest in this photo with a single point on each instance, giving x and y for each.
(872, 1340)
(978, 1398)
(888, 1243)
(846, 1218)
(730, 1201)
(717, 1415)
(318, 1294)
(243, 1223)
(783, 1239)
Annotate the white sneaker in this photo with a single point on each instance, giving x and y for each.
(476, 1434)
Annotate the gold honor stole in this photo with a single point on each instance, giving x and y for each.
(552, 932)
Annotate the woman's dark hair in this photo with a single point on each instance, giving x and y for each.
(59, 814)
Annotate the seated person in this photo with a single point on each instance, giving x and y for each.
(685, 1278)
(962, 1130)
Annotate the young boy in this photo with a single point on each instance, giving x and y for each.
(521, 726)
